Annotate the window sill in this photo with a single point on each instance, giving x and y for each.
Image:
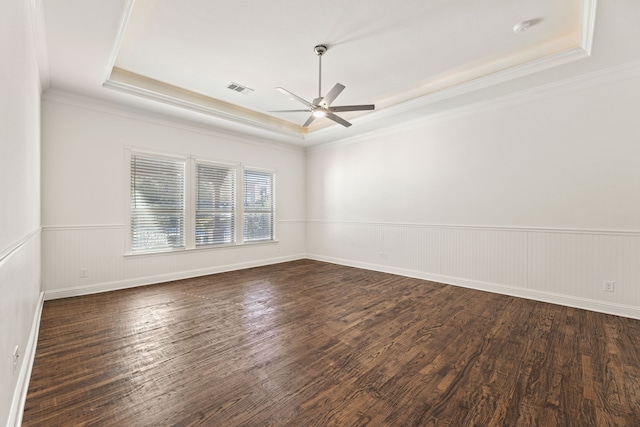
(199, 249)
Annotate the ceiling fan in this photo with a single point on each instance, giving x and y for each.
(321, 107)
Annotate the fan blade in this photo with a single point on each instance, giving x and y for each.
(309, 120)
(352, 107)
(317, 101)
(294, 96)
(337, 119)
(333, 93)
(289, 111)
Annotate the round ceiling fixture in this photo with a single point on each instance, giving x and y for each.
(521, 27)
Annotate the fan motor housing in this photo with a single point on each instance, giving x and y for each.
(320, 49)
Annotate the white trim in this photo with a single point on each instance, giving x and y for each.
(589, 8)
(17, 245)
(40, 43)
(598, 231)
(187, 170)
(213, 162)
(119, 109)
(191, 162)
(485, 227)
(274, 221)
(122, 27)
(190, 204)
(382, 116)
(557, 88)
(128, 154)
(157, 154)
(193, 196)
(211, 247)
(239, 229)
(199, 108)
(121, 226)
(150, 280)
(82, 227)
(20, 393)
(548, 297)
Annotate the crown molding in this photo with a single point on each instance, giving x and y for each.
(589, 8)
(171, 120)
(283, 130)
(584, 81)
(122, 27)
(385, 117)
(36, 12)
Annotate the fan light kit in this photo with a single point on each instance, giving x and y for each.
(521, 27)
(321, 107)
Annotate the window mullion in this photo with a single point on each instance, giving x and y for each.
(190, 201)
(240, 205)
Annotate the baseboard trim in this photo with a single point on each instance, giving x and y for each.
(548, 297)
(20, 393)
(150, 280)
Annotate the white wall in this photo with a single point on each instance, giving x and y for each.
(19, 202)
(84, 170)
(536, 197)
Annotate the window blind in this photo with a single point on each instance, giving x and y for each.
(215, 204)
(157, 203)
(259, 209)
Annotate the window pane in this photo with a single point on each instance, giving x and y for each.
(259, 206)
(215, 204)
(157, 203)
(258, 226)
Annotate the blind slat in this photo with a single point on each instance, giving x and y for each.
(215, 204)
(158, 218)
(157, 203)
(258, 206)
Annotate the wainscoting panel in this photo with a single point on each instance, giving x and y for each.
(579, 263)
(567, 267)
(412, 247)
(99, 250)
(486, 255)
(20, 308)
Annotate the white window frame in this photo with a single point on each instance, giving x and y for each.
(129, 154)
(229, 166)
(190, 201)
(273, 174)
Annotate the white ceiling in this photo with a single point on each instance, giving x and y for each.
(185, 54)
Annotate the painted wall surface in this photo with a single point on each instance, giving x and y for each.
(19, 199)
(84, 197)
(563, 162)
(538, 198)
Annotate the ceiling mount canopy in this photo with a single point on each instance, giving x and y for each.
(321, 106)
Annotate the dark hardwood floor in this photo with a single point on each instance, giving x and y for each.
(308, 343)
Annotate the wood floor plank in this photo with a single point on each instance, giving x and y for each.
(307, 343)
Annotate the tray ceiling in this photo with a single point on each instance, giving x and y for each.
(385, 53)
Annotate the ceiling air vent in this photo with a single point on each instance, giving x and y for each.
(239, 88)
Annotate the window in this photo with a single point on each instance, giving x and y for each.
(215, 204)
(258, 206)
(157, 203)
(179, 203)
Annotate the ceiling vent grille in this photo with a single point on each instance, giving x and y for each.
(239, 88)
